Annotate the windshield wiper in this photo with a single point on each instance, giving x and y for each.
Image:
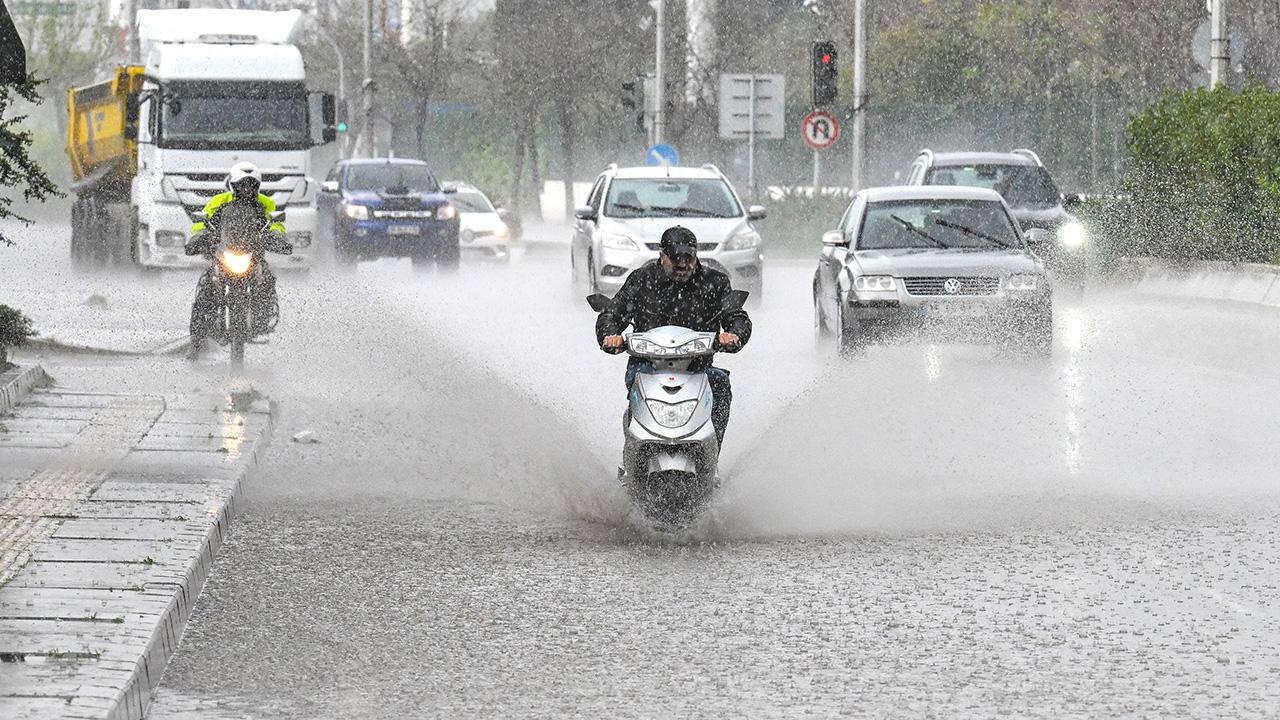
(625, 206)
(907, 224)
(682, 211)
(970, 231)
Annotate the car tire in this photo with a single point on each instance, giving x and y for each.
(593, 286)
(1035, 334)
(849, 336)
(344, 258)
(821, 332)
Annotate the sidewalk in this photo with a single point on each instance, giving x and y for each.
(112, 508)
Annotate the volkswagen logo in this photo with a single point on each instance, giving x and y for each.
(952, 286)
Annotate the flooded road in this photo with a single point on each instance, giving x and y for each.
(926, 530)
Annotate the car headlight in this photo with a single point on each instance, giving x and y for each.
(447, 212)
(1072, 235)
(502, 232)
(672, 415)
(356, 212)
(236, 263)
(615, 241)
(744, 240)
(1022, 282)
(875, 283)
(168, 238)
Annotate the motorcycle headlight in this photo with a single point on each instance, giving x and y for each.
(356, 212)
(700, 345)
(615, 241)
(875, 283)
(1022, 282)
(671, 415)
(446, 212)
(236, 263)
(641, 346)
(743, 240)
(1072, 235)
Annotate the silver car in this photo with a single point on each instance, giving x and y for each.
(950, 258)
(628, 209)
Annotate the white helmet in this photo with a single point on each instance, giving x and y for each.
(243, 171)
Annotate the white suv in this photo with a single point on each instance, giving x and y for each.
(619, 228)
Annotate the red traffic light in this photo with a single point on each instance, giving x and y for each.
(826, 59)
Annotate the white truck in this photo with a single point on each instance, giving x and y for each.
(155, 141)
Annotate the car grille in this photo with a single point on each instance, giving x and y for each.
(402, 213)
(393, 202)
(951, 286)
(702, 246)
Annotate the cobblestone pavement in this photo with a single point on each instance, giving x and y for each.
(112, 508)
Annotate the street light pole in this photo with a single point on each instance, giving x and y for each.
(659, 77)
(859, 92)
(134, 47)
(367, 87)
(1219, 43)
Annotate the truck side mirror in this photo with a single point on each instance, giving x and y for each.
(324, 118)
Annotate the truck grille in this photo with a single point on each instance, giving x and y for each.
(952, 286)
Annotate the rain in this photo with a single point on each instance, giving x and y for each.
(306, 412)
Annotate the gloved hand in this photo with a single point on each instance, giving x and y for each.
(197, 245)
(275, 242)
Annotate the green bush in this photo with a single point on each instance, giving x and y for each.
(798, 217)
(1206, 177)
(15, 328)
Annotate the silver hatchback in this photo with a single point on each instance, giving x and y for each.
(629, 208)
(946, 258)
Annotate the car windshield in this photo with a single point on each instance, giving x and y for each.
(234, 115)
(471, 201)
(939, 224)
(395, 179)
(671, 197)
(1024, 186)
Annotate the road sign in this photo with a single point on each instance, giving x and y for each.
(661, 155)
(752, 106)
(820, 129)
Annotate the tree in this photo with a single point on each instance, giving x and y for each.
(17, 169)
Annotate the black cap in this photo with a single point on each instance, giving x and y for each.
(679, 240)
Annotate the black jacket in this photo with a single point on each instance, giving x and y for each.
(650, 298)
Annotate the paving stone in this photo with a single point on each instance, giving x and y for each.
(55, 413)
(35, 441)
(115, 529)
(34, 708)
(143, 510)
(121, 576)
(200, 490)
(53, 602)
(104, 551)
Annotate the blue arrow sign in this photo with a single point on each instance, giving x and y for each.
(661, 155)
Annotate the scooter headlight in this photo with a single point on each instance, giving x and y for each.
(236, 263)
(672, 415)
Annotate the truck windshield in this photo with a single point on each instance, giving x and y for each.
(394, 179)
(235, 116)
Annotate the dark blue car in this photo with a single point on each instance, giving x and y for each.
(387, 207)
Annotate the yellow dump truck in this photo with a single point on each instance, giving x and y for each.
(153, 142)
(102, 131)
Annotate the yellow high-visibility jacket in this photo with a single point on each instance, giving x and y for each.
(217, 201)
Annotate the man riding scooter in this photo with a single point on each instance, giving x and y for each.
(678, 290)
(243, 184)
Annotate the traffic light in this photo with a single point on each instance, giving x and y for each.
(825, 75)
(342, 116)
(630, 96)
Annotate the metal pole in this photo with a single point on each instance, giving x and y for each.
(367, 86)
(659, 77)
(1219, 43)
(817, 170)
(859, 91)
(131, 18)
(751, 139)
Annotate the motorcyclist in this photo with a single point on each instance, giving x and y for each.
(676, 289)
(243, 184)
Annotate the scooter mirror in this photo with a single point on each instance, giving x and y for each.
(198, 216)
(735, 300)
(600, 303)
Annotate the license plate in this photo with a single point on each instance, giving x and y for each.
(943, 311)
(403, 230)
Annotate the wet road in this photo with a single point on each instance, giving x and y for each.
(929, 530)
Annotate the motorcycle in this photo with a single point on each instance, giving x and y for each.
(670, 454)
(235, 241)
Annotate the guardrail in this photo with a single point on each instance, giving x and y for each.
(1252, 283)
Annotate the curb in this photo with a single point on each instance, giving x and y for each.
(1248, 283)
(134, 700)
(171, 347)
(17, 388)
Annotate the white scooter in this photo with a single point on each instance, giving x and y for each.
(670, 453)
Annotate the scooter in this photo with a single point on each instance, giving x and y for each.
(670, 454)
(235, 243)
